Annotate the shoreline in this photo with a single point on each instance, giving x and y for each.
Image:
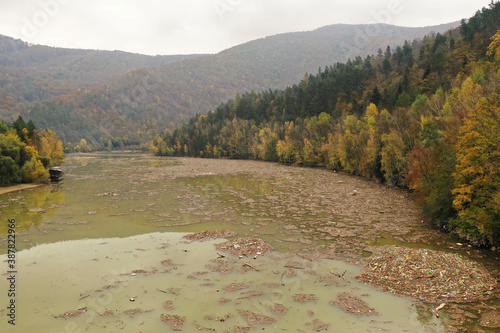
(18, 187)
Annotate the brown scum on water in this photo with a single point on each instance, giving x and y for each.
(428, 275)
(210, 234)
(175, 322)
(353, 304)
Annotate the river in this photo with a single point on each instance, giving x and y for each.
(103, 250)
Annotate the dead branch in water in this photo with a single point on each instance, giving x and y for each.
(341, 276)
(251, 266)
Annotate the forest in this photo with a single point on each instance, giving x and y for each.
(423, 116)
(33, 73)
(116, 99)
(26, 154)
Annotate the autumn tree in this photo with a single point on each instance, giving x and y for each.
(477, 176)
(494, 48)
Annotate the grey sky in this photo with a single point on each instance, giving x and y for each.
(204, 26)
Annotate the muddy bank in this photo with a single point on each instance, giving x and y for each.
(19, 187)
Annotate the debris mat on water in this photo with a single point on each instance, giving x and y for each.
(175, 322)
(245, 246)
(354, 305)
(211, 234)
(428, 275)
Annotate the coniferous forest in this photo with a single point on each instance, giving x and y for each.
(423, 116)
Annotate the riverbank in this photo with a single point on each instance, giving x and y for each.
(17, 187)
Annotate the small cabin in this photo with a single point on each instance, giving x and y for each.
(56, 174)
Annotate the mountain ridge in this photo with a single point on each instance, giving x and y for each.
(152, 98)
(46, 72)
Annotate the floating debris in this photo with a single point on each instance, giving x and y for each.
(136, 311)
(71, 314)
(318, 325)
(278, 309)
(441, 306)
(304, 298)
(428, 275)
(108, 194)
(169, 305)
(245, 246)
(251, 294)
(107, 313)
(235, 286)
(211, 234)
(490, 319)
(221, 319)
(251, 266)
(256, 318)
(175, 322)
(354, 305)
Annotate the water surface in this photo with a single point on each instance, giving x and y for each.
(80, 242)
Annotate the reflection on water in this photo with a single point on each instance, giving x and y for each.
(120, 195)
(31, 207)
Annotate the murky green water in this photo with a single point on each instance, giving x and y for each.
(118, 195)
(98, 277)
(80, 241)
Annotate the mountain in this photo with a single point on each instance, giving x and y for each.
(143, 101)
(34, 73)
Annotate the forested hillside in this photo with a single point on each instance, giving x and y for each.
(129, 109)
(425, 116)
(26, 154)
(34, 73)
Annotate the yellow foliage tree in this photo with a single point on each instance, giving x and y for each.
(393, 157)
(494, 48)
(84, 147)
(477, 175)
(50, 145)
(34, 171)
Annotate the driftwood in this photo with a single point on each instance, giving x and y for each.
(439, 308)
(282, 278)
(341, 276)
(251, 266)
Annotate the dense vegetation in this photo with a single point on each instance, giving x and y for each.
(128, 109)
(34, 73)
(425, 116)
(26, 154)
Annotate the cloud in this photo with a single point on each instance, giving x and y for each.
(204, 26)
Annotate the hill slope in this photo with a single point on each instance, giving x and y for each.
(146, 100)
(33, 73)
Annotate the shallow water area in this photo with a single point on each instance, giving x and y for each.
(91, 231)
(130, 284)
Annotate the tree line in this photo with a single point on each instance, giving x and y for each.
(26, 154)
(424, 116)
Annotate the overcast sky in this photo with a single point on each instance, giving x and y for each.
(204, 26)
